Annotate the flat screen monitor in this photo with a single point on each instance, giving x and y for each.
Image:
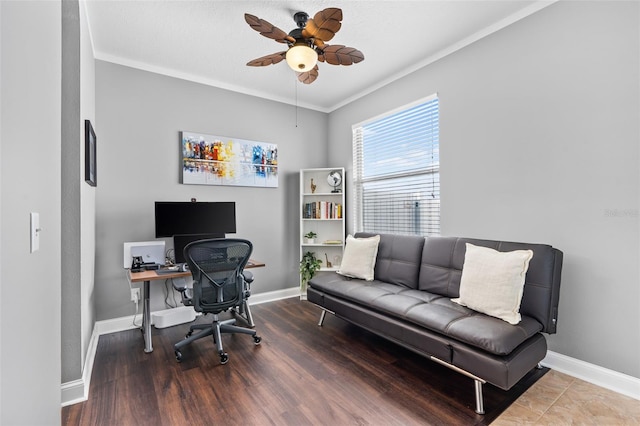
(180, 242)
(179, 218)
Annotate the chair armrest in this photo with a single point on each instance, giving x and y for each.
(248, 276)
(179, 284)
(186, 293)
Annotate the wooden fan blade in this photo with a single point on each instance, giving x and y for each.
(337, 54)
(324, 25)
(267, 29)
(309, 76)
(272, 59)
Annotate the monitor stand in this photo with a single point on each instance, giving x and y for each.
(180, 242)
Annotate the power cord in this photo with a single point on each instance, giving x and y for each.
(169, 257)
(167, 291)
(136, 300)
(133, 322)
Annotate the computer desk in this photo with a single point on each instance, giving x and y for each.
(147, 276)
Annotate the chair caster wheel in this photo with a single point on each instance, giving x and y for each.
(178, 356)
(224, 358)
(257, 339)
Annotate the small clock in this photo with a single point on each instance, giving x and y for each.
(334, 179)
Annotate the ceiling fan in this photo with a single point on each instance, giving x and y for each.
(306, 43)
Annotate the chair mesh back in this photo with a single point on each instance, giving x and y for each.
(216, 266)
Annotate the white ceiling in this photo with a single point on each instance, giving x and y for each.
(209, 41)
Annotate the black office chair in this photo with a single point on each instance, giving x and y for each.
(218, 285)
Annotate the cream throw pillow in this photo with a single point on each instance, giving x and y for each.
(492, 282)
(359, 258)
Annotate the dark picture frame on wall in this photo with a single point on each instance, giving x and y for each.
(90, 169)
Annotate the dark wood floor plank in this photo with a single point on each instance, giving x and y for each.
(300, 374)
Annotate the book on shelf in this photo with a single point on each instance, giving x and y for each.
(322, 210)
(337, 242)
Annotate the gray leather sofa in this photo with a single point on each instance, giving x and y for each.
(409, 303)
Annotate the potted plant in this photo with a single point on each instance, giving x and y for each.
(309, 265)
(310, 236)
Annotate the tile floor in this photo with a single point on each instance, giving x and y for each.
(558, 399)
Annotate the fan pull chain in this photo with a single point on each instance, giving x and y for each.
(296, 90)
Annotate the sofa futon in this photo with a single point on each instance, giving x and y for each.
(413, 298)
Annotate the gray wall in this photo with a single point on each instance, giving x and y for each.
(71, 260)
(30, 180)
(539, 143)
(78, 198)
(87, 193)
(140, 116)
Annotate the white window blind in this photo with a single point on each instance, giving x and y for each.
(397, 172)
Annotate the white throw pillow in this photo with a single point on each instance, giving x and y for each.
(359, 258)
(492, 282)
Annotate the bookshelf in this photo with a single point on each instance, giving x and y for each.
(322, 211)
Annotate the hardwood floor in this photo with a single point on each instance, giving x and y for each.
(300, 374)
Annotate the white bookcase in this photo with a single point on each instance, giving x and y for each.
(322, 210)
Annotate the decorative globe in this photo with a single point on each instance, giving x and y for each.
(334, 179)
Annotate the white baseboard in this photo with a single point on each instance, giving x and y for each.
(78, 390)
(73, 392)
(127, 323)
(272, 296)
(600, 376)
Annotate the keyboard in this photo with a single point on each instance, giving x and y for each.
(165, 271)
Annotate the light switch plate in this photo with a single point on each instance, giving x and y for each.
(35, 232)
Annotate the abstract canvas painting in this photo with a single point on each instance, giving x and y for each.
(221, 160)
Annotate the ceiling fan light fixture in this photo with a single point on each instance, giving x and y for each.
(307, 44)
(301, 58)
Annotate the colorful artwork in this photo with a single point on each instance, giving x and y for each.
(218, 160)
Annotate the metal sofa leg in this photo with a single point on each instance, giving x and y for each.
(479, 401)
(477, 381)
(322, 315)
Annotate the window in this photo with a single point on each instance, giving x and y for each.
(397, 171)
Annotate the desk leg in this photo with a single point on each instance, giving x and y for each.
(146, 319)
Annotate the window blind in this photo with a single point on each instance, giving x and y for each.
(396, 178)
